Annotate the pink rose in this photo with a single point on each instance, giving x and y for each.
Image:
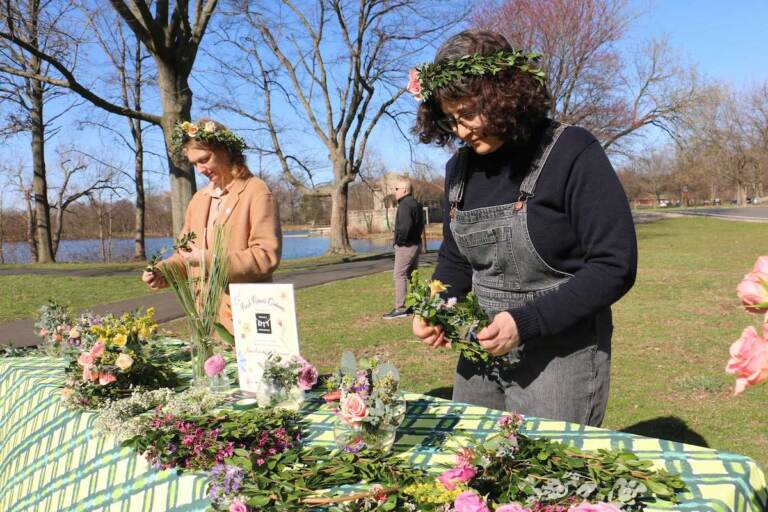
(307, 377)
(353, 409)
(43, 332)
(454, 476)
(106, 378)
(214, 365)
(414, 86)
(85, 359)
(469, 502)
(512, 507)
(761, 265)
(595, 507)
(753, 292)
(749, 359)
(238, 506)
(97, 350)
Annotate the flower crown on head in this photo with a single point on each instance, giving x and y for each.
(424, 80)
(207, 131)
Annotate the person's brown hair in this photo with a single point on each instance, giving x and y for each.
(237, 158)
(513, 103)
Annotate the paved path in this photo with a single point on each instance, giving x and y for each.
(19, 333)
(747, 214)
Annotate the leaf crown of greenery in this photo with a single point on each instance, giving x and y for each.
(207, 131)
(435, 76)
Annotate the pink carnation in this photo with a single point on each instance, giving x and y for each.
(97, 350)
(512, 507)
(238, 506)
(106, 378)
(749, 359)
(307, 376)
(214, 365)
(454, 476)
(469, 502)
(85, 359)
(595, 507)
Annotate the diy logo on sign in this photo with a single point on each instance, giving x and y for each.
(263, 323)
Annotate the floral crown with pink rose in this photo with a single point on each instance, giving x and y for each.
(207, 131)
(424, 80)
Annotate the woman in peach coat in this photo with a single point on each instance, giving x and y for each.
(233, 198)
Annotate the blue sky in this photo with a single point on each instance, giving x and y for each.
(725, 39)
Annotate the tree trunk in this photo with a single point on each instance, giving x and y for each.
(339, 234)
(139, 249)
(31, 225)
(176, 97)
(44, 248)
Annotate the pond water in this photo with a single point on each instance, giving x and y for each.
(296, 244)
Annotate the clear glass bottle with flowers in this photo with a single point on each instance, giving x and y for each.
(371, 406)
(285, 380)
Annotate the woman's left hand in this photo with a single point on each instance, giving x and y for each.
(500, 336)
(194, 256)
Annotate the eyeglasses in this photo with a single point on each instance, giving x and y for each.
(450, 123)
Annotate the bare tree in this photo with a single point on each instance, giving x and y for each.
(38, 24)
(74, 165)
(592, 84)
(20, 184)
(336, 66)
(173, 41)
(126, 55)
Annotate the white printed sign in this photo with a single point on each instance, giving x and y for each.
(264, 317)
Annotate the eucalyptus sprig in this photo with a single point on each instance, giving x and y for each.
(180, 244)
(460, 319)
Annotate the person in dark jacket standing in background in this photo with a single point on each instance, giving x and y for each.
(409, 224)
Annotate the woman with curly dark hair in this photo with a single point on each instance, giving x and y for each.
(536, 224)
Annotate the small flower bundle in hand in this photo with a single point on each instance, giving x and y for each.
(460, 319)
(180, 244)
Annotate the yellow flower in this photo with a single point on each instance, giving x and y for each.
(145, 332)
(120, 340)
(124, 361)
(186, 125)
(74, 333)
(436, 287)
(150, 313)
(210, 126)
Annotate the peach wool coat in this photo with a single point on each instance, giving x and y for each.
(254, 240)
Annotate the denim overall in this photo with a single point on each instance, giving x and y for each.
(562, 377)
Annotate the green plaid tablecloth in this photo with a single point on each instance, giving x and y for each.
(51, 460)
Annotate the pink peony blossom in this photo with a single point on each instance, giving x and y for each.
(454, 476)
(353, 409)
(469, 502)
(414, 86)
(85, 359)
(749, 359)
(214, 365)
(512, 507)
(761, 265)
(97, 350)
(753, 292)
(106, 378)
(594, 507)
(238, 506)
(307, 377)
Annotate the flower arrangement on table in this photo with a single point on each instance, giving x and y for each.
(749, 354)
(370, 404)
(460, 319)
(61, 332)
(511, 472)
(286, 379)
(116, 360)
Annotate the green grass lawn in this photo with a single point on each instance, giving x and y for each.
(672, 334)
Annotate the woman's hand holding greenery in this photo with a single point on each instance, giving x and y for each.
(458, 319)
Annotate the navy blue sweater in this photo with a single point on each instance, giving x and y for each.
(579, 222)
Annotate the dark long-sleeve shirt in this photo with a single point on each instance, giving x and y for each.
(408, 222)
(579, 222)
